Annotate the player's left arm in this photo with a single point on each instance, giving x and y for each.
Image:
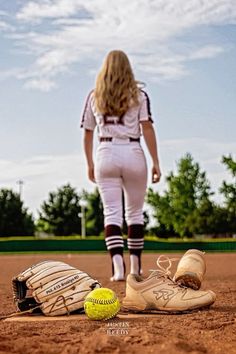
(151, 142)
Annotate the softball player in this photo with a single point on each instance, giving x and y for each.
(121, 112)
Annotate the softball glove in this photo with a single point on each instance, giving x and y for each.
(52, 288)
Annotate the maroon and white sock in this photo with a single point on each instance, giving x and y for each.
(115, 245)
(135, 244)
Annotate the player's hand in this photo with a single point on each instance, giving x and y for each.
(91, 173)
(156, 173)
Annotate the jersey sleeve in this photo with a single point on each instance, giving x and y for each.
(145, 108)
(88, 120)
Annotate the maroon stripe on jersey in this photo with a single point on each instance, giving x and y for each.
(148, 106)
(110, 120)
(85, 108)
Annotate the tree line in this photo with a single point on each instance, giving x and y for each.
(185, 209)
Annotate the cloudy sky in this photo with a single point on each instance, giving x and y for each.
(51, 50)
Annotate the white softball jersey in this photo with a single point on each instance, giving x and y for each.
(120, 164)
(128, 126)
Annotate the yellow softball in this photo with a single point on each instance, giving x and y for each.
(101, 304)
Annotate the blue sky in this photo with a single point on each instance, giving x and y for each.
(51, 50)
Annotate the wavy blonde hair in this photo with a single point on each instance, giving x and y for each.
(116, 89)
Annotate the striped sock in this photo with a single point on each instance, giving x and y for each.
(115, 245)
(135, 244)
(114, 240)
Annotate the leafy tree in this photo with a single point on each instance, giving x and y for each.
(161, 213)
(94, 213)
(186, 198)
(203, 219)
(229, 192)
(14, 218)
(145, 222)
(60, 214)
(229, 189)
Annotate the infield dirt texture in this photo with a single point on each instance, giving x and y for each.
(207, 331)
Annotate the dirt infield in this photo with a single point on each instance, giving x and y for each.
(207, 331)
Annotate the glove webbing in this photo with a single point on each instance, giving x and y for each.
(19, 289)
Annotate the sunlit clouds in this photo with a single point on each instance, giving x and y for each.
(57, 34)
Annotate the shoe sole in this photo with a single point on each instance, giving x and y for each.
(189, 279)
(125, 310)
(130, 306)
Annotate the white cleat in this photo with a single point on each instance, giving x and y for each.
(161, 293)
(191, 269)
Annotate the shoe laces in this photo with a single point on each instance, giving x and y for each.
(163, 270)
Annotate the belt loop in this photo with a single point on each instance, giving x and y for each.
(105, 139)
(134, 139)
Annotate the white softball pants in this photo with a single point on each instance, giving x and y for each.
(121, 166)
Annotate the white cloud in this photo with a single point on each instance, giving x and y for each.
(3, 13)
(171, 66)
(43, 174)
(202, 149)
(6, 74)
(5, 27)
(72, 31)
(206, 52)
(34, 11)
(190, 11)
(43, 84)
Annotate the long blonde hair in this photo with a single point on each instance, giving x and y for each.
(116, 89)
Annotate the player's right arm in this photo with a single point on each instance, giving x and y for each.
(89, 123)
(88, 149)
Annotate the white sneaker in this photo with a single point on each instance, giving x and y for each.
(161, 293)
(191, 269)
